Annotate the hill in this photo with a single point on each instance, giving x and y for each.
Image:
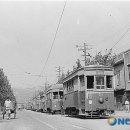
(23, 94)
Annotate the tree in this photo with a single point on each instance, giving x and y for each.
(68, 72)
(106, 59)
(61, 78)
(5, 89)
(78, 63)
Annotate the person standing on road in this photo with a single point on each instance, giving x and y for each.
(8, 105)
(127, 105)
(61, 105)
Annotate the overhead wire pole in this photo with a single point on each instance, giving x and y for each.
(55, 35)
(85, 48)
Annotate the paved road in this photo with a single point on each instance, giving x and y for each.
(29, 120)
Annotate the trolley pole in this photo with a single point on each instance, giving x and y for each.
(85, 48)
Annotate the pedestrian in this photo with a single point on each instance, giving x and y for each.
(8, 106)
(61, 105)
(127, 105)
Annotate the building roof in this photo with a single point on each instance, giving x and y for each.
(119, 58)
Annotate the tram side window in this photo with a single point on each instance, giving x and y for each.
(118, 78)
(82, 82)
(109, 81)
(70, 86)
(48, 96)
(55, 95)
(129, 71)
(90, 82)
(67, 86)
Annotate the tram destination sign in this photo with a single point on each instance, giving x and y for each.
(99, 72)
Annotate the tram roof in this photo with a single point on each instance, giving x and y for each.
(88, 67)
(55, 86)
(98, 66)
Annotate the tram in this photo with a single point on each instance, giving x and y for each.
(89, 91)
(42, 103)
(54, 95)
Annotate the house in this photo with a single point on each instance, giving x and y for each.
(122, 78)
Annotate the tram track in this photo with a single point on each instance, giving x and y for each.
(62, 123)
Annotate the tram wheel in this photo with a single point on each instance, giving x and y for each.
(14, 115)
(52, 112)
(3, 116)
(70, 112)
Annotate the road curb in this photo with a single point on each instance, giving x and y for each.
(122, 113)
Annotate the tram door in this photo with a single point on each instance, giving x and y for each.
(88, 99)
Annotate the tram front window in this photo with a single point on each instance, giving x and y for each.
(109, 81)
(55, 95)
(61, 94)
(100, 82)
(90, 82)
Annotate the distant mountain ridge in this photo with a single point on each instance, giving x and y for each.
(23, 94)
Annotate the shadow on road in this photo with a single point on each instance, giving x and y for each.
(79, 116)
(8, 120)
(14, 118)
(2, 121)
(86, 117)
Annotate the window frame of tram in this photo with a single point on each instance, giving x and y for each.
(82, 81)
(55, 96)
(128, 71)
(109, 84)
(60, 94)
(90, 82)
(70, 86)
(48, 96)
(100, 82)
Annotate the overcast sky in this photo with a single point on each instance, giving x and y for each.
(27, 30)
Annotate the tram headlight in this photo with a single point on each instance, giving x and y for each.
(90, 102)
(101, 100)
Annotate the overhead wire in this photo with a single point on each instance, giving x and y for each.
(124, 34)
(53, 41)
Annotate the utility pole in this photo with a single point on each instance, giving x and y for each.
(85, 48)
(59, 71)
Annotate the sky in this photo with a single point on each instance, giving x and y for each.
(27, 30)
